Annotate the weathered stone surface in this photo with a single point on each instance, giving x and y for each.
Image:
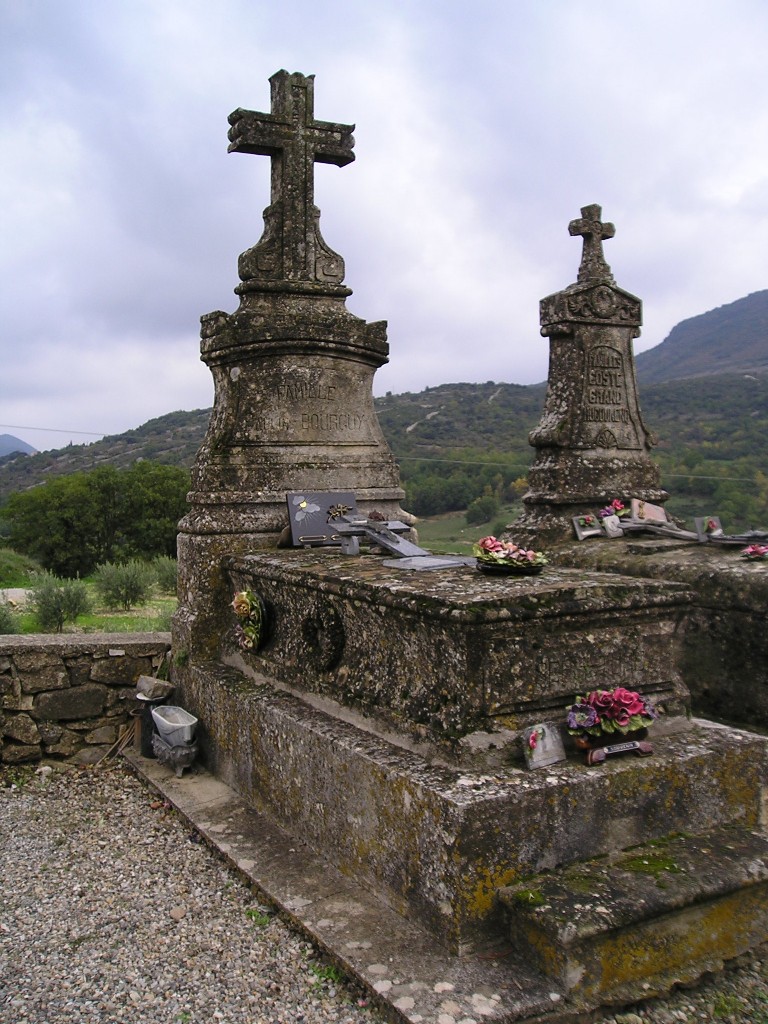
(436, 841)
(21, 728)
(14, 700)
(41, 670)
(79, 669)
(76, 702)
(293, 374)
(65, 745)
(104, 734)
(119, 671)
(367, 636)
(592, 443)
(723, 654)
(631, 926)
(5, 665)
(89, 755)
(119, 699)
(50, 732)
(19, 753)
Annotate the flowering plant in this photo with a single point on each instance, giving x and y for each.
(606, 711)
(587, 520)
(500, 552)
(250, 611)
(755, 552)
(614, 508)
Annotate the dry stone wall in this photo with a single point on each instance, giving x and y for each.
(67, 696)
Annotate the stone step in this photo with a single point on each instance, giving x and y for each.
(437, 841)
(629, 926)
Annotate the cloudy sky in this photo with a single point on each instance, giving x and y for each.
(482, 128)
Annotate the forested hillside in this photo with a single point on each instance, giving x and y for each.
(703, 391)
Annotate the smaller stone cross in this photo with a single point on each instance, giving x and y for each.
(291, 248)
(593, 231)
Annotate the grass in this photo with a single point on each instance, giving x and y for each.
(15, 569)
(449, 534)
(153, 616)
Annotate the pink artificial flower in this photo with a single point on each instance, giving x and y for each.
(490, 544)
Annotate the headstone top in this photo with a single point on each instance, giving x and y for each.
(291, 248)
(593, 265)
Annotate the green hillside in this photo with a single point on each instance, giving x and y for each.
(703, 391)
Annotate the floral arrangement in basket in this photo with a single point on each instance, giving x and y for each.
(250, 611)
(602, 712)
(490, 551)
(755, 553)
(614, 508)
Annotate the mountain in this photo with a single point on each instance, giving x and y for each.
(729, 339)
(10, 444)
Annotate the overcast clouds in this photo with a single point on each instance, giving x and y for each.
(482, 129)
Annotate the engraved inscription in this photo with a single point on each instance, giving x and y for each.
(304, 407)
(303, 391)
(332, 421)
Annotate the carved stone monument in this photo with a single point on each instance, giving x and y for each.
(292, 369)
(374, 719)
(591, 444)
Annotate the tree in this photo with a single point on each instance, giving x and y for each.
(72, 523)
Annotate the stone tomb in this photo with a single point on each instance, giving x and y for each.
(379, 717)
(380, 722)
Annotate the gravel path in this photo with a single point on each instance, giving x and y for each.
(111, 912)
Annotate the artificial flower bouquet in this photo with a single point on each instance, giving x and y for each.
(250, 611)
(602, 712)
(614, 508)
(493, 552)
(755, 553)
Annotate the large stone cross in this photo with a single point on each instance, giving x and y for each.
(294, 140)
(593, 231)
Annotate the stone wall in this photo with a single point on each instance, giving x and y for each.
(67, 696)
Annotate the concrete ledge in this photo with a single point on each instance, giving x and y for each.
(410, 976)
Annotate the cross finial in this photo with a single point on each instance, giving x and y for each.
(591, 228)
(292, 248)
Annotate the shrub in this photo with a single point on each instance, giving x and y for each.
(7, 620)
(481, 510)
(123, 586)
(166, 572)
(55, 601)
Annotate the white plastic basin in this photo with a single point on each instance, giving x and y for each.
(174, 724)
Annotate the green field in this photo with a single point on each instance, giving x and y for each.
(449, 534)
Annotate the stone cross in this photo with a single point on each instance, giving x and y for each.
(294, 140)
(593, 231)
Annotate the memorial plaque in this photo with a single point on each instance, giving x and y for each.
(314, 515)
(543, 745)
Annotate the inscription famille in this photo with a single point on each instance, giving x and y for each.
(294, 407)
(303, 391)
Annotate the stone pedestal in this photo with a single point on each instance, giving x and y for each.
(591, 444)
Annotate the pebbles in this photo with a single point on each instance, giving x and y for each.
(112, 910)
